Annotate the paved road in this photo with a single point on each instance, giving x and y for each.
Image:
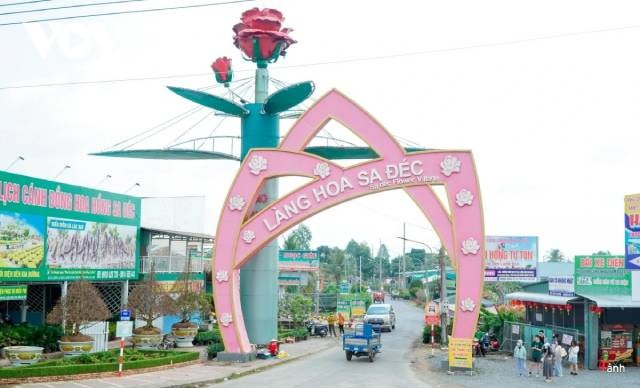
(331, 369)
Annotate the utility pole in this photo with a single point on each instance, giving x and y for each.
(443, 298)
(402, 265)
(360, 275)
(380, 269)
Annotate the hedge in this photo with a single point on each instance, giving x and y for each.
(41, 370)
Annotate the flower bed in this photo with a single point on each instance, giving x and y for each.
(99, 363)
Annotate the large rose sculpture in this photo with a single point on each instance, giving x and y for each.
(261, 37)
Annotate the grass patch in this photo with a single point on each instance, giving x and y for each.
(99, 363)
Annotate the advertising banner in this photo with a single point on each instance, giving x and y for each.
(511, 258)
(602, 275)
(460, 355)
(293, 279)
(54, 231)
(632, 231)
(561, 286)
(17, 292)
(292, 261)
(344, 307)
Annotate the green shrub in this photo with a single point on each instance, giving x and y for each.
(207, 337)
(103, 363)
(413, 291)
(300, 333)
(46, 336)
(214, 349)
(404, 294)
(426, 333)
(112, 330)
(416, 283)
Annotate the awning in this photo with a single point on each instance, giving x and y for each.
(540, 298)
(620, 301)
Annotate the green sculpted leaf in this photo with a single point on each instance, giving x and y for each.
(211, 101)
(288, 97)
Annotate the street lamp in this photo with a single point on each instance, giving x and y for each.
(65, 168)
(18, 159)
(103, 180)
(443, 286)
(132, 187)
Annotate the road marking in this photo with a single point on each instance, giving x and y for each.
(108, 383)
(79, 384)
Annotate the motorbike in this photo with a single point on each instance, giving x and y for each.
(317, 328)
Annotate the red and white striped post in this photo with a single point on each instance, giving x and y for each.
(121, 358)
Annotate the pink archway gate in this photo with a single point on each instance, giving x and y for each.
(241, 234)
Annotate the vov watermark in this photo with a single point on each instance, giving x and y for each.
(73, 40)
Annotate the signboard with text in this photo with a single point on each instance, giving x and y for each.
(298, 260)
(602, 275)
(632, 231)
(460, 355)
(54, 231)
(17, 292)
(511, 258)
(561, 286)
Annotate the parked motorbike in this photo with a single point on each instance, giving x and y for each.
(317, 328)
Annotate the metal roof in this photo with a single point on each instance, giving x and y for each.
(178, 233)
(540, 298)
(619, 301)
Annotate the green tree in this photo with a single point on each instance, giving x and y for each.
(297, 307)
(555, 256)
(298, 239)
(332, 261)
(354, 253)
(602, 253)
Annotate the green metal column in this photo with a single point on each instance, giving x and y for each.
(591, 337)
(259, 277)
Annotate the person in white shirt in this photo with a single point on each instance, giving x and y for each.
(573, 357)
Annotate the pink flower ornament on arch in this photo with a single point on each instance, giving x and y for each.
(242, 233)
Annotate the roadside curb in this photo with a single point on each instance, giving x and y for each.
(257, 369)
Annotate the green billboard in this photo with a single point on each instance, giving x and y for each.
(55, 231)
(601, 275)
(15, 292)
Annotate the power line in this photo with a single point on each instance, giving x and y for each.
(24, 2)
(125, 12)
(339, 61)
(70, 6)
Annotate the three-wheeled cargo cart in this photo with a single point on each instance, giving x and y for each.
(363, 341)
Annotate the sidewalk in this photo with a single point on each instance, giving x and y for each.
(499, 370)
(206, 371)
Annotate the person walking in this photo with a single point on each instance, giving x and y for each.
(520, 354)
(536, 355)
(331, 321)
(341, 323)
(573, 357)
(559, 353)
(548, 363)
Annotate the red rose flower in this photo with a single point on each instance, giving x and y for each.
(260, 36)
(222, 69)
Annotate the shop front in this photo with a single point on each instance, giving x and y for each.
(618, 328)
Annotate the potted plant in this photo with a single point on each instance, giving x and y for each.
(149, 302)
(81, 306)
(188, 303)
(23, 355)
